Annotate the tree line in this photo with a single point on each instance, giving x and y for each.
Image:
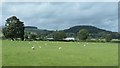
(14, 28)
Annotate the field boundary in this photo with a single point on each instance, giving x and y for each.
(60, 67)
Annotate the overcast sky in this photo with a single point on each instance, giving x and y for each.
(63, 15)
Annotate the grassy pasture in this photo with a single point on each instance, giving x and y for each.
(0, 53)
(20, 53)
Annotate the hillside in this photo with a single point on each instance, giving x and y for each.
(94, 31)
(72, 31)
(36, 30)
(91, 29)
(30, 27)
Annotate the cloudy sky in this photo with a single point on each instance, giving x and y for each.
(63, 15)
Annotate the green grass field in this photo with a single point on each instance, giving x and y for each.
(17, 53)
(0, 53)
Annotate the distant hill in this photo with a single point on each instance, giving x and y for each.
(94, 31)
(36, 30)
(91, 29)
(30, 27)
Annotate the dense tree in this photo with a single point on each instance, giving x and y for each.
(108, 37)
(59, 35)
(26, 35)
(41, 37)
(101, 35)
(14, 28)
(30, 35)
(83, 34)
(33, 36)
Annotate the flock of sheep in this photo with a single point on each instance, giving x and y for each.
(33, 48)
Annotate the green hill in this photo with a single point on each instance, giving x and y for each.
(72, 31)
(94, 31)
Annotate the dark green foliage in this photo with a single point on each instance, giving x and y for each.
(27, 35)
(93, 31)
(83, 34)
(101, 35)
(33, 36)
(37, 31)
(71, 34)
(108, 38)
(41, 37)
(14, 28)
(30, 36)
(59, 35)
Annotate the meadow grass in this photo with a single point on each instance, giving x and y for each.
(20, 53)
(0, 53)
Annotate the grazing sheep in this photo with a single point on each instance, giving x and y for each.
(60, 48)
(33, 48)
(39, 46)
(45, 43)
(84, 45)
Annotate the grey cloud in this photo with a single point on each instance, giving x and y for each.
(54, 15)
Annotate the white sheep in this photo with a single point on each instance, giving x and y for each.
(39, 46)
(45, 43)
(60, 48)
(33, 48)
(84, 45)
